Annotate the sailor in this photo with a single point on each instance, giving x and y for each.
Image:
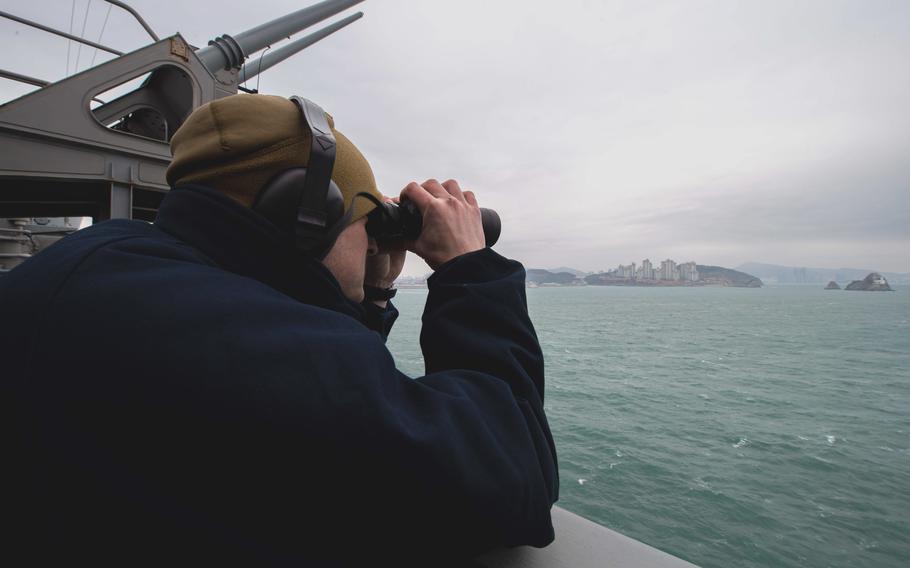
(201, 390)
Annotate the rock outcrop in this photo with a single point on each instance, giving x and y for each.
(875, 282)
(832, 286)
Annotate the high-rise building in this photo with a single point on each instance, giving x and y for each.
(688, 271)
(647, 270)
(668, 270)
(626, 271)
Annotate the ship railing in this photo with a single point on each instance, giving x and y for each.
(13, 76)
(581, 543)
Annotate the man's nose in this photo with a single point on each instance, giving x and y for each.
(372, 246)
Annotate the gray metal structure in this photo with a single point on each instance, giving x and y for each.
(20, 238)
(66, 152)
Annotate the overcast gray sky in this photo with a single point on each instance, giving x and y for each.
(603, 132)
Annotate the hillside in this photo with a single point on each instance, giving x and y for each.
(720, 276)
(541, 276)
(573, 271)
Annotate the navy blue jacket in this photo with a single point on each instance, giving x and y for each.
(192, 391)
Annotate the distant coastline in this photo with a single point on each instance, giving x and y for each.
(668, 275)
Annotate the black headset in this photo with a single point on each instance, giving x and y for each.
(305, 202)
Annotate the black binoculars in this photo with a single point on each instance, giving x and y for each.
(390, 221)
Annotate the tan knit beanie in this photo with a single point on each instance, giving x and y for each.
(235, 145)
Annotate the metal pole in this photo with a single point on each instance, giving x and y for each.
(23, 78)
(135, 15)
(273, 58)
(59, 33)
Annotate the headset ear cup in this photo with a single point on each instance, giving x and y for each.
(334, 205)
(278, 200)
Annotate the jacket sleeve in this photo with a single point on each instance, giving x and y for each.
(466, 449)
(477, 332)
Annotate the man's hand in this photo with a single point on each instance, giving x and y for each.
(451, 221)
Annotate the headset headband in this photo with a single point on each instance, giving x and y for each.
(311, 212)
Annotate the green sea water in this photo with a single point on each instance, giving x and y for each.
(727, 426)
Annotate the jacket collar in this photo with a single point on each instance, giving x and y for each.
(242, 241)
